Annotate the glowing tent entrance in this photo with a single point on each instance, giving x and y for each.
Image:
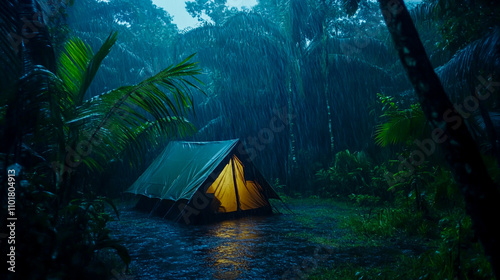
(201, 181)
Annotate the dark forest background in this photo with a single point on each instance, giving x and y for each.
(93, 90)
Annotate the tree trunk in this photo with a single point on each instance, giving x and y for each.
(326, 92)
(292, 158)
(482, 196)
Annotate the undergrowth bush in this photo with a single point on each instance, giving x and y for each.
(387, 222)
(352, 174)
(434, 213)
(64, 238)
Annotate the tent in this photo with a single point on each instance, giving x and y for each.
(196, 182)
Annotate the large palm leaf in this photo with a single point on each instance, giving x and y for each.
(78, 65)
(121, 118)
(152, 109)
(481, 57)
(401, 126)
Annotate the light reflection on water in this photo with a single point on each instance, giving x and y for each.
(233, 255)
(247, 248)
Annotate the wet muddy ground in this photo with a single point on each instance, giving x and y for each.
(283, 246)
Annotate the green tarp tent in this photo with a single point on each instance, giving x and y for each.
(201, 179)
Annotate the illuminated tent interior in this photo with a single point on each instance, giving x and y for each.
(197, 182)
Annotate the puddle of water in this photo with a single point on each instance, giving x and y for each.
(247, 248)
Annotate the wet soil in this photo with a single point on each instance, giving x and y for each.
(282, 246)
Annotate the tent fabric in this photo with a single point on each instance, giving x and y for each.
(182, 168)
(250, 194)
(224, 200)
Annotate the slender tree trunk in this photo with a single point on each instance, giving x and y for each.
(293, 35)
(481, 195)
(292, 159)
(326, 91)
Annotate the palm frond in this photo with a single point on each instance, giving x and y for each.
(94, 64)
(72, 65)
(401, 126)
(155, 107)
(154, 133)
(460, 75)
(46, 99)
(78, 65)
(425, 13)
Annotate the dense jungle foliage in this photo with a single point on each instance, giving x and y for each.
(91, 90)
